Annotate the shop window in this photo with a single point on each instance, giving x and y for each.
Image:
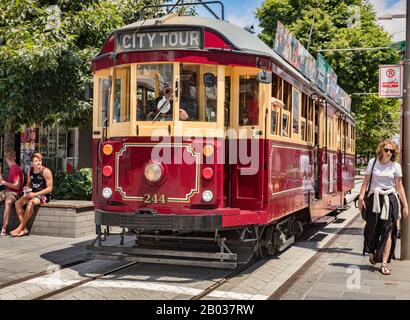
(155, 92)
(248, 101)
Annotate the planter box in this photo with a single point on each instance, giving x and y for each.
(59, 218)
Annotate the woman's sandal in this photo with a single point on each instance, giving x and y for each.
(3, 233)
(385, 270)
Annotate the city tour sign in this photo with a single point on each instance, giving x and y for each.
(391, 81)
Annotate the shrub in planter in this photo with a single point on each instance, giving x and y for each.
(73, 186)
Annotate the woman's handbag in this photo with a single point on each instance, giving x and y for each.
(366, 195)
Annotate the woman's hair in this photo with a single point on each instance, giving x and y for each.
(37, 155)
(383, 144)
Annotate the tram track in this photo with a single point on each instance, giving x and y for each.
(44, 273)
(82, 282)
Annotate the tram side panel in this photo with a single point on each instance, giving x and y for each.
(291, 179)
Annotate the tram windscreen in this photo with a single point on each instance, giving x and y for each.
(155, 92)
(248, 101)
(198, 93)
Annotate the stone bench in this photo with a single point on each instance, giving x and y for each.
(59, 218)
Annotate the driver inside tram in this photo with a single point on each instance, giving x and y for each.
(161, 108)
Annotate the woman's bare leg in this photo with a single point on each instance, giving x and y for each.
(386, 252)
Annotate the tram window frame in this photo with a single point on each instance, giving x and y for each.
(163, 82)
(296, 108)
(310, 119)
(204, 112)
(101, 100)
(303, 118)
(121, 112)
(286, 110)
(277, 87)
(275, 114)
(244, 101)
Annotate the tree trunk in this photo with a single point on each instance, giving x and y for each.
(9, 134)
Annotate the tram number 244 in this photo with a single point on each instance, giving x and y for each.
(155, 198)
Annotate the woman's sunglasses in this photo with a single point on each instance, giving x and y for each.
(388, 150)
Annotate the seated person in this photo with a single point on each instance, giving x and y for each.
(188, 109)
(162, 104)
(14, 187)
(37, 190)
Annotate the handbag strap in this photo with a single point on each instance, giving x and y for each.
(371, 176)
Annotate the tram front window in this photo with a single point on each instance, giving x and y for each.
(248, 101)
(198, 93)
(154, 92)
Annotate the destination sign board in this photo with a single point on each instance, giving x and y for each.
(159, 40)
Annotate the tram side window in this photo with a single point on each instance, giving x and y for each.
(303, 119)
(155, 92)
(248, 101)
(287, 99)
(277, 87)
(310, 118)
(104, 96)
(227, 101)
(122, 95)
(198, 93)
(295, 110)
(275, 120)
(353, 139)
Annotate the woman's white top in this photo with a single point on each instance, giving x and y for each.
(383, 174)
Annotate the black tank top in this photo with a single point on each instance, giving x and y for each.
(38, 182)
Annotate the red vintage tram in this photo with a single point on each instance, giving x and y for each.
(210, 148)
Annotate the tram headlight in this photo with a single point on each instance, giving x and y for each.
(208, 150)
(107, 193)
(153, 172)
(207, 196)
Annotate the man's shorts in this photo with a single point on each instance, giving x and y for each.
(8, 195)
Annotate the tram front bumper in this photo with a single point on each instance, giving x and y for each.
(155, 221)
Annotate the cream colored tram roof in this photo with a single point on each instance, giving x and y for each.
(241, 39)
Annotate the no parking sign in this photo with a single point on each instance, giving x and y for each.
(391, 81)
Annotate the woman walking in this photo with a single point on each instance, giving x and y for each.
(381, 201)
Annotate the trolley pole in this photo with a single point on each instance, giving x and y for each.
(405, 139)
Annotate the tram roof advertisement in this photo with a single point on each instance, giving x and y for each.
(159, 40)
(294, 52)
(323, 69)
(318, 71)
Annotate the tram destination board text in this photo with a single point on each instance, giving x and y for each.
(182, 39)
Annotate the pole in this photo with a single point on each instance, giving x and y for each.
(405, 225)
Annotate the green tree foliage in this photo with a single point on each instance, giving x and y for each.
(45, 52)
(343, 24)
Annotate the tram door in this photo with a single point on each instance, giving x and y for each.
(317, 153)
(247, 173)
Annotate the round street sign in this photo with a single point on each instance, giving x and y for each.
(390, 73)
